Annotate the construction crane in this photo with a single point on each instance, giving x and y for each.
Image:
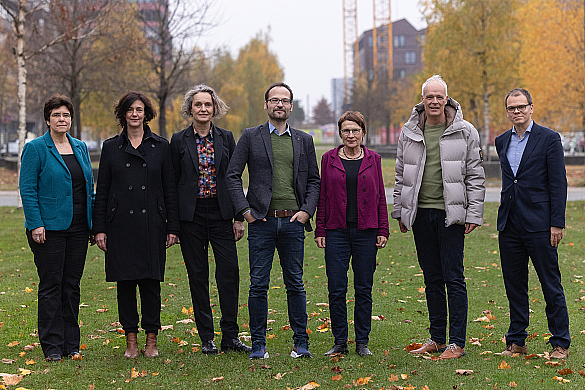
(350, 45)
(382, 19)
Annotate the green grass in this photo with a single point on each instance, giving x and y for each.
(396, 297)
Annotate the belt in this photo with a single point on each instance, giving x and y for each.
(281, 213)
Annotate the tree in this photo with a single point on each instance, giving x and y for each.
(297, 115)
(322, 113)
(474, 44)
(172, 27)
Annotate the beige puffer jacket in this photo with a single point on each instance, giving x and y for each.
(462, 170)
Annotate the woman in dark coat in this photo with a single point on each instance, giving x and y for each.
(135, 217)
(56, 186)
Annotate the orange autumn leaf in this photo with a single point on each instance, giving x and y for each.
(409, 387)
(83, 346)
(11, 379)
(531, 356)
(29, 362)
(413, 346)
(13, 344)
(309, 331)
(425, 387)
(404, 376)
(336, 378)
(286, 327)
(553, 363)
(217, 379)
(512, 384)
(565, 371)
(504, 366)
(270, 336)
(393, 378)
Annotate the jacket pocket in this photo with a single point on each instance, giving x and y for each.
(540, 197)
(160, 205)
(112, 208)
(48, 207)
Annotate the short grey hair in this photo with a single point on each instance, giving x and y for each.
(436, 77)
(219, 106)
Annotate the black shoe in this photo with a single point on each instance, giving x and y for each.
(209, 348)
(54, 358)
(337, 348)
(362, 350)
(234, 344)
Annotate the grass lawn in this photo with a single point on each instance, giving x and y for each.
(398, 301)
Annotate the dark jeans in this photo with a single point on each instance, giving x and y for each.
(60, 261)
(289, 239)
(440, 255)
(360, 246)
(149, 305)
(516, 245)
(195, 238)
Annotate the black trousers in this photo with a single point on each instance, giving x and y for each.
(195, 237)
(149, 305)
(60, 261)
(516, 246)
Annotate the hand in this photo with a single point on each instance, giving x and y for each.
(320, 242)
(250, 218)
(38, 235)
(381, 242)
(92, 240)
(402, 226)
(172, 239)
(556, 235)
(301, 216)
(238, 230)
(469, 227)
(102, 240)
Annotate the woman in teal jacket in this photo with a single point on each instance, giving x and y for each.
(56, 187)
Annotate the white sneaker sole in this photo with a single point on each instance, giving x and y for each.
(296, 355)
(258, 358)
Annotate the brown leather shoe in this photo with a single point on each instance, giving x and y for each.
(512, 349)
(559, 352)
(453, 351)
(150, 350)
(131, 346)
(429, 347)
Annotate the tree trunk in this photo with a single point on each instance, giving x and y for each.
(486, 123)
(19, 29)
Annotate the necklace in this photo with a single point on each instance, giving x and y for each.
(352, 158)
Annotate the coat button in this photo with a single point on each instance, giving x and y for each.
(515, 181)
(152, 145)
(143, 187)
(364, 176)
(131, 211)
(143, 211)
(113, 209)
(127, 165)
(364, 190)
(365, 202)
(130, 188)
(160, 208)
(144, 165)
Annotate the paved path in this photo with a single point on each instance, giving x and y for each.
(8, 198)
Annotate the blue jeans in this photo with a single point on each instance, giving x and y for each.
(440, 255)
(289, 239)
(360, 246)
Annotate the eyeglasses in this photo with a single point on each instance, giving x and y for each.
(520, 107)
(354, 131)
(275, 101)
(59, 115)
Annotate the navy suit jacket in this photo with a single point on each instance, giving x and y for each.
(538, 193)
(255, 149)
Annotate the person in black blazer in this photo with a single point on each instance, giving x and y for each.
(531, 219)
(201, 154)
(135, 217)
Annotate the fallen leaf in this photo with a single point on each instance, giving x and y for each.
(393, 378)
(565, 371)
(504, 366)
(11, 379)
(101, 310)
(403, 376)
(279, 375)
(512, 384)
(553, 363)
(475, 341)
(336, 378)
(310, 386)
(29, 362)
(561, 379)
(462, 371)
(217, 379)
(531, 356)
(322, 304)
(362, 381)
(13, 344)
(27, 289)
(413, 346)
(7, 361)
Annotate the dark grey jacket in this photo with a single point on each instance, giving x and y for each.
(255, 149)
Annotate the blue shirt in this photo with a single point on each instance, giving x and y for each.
(275, 130)
(517, 146)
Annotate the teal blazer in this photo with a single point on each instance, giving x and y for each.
(45, 184)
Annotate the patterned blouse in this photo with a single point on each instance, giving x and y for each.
(207, 178)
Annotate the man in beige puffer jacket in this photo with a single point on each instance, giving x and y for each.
(439, 194)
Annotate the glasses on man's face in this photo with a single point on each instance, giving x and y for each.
(354, 131)
(520, 107)
(59, 115)
(275, 101)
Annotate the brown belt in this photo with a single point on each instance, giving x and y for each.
(281, 213)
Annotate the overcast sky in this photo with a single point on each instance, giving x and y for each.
(307, 36)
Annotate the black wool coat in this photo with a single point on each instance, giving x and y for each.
(136, 206)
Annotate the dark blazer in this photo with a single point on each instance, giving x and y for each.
(255, 149)
(136, 206)
(538, 193)
(186, 166)
(45, 183)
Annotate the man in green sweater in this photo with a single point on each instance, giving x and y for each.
(282, 196)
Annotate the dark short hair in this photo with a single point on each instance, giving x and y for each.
(353, 116)
(278, 84)
(518, 92)
(56, 101)
(126, 101)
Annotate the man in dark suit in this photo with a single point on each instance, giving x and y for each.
(201, 154)
(531, 219)
(283, 192)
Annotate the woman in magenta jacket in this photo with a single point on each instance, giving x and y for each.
(352, 223)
